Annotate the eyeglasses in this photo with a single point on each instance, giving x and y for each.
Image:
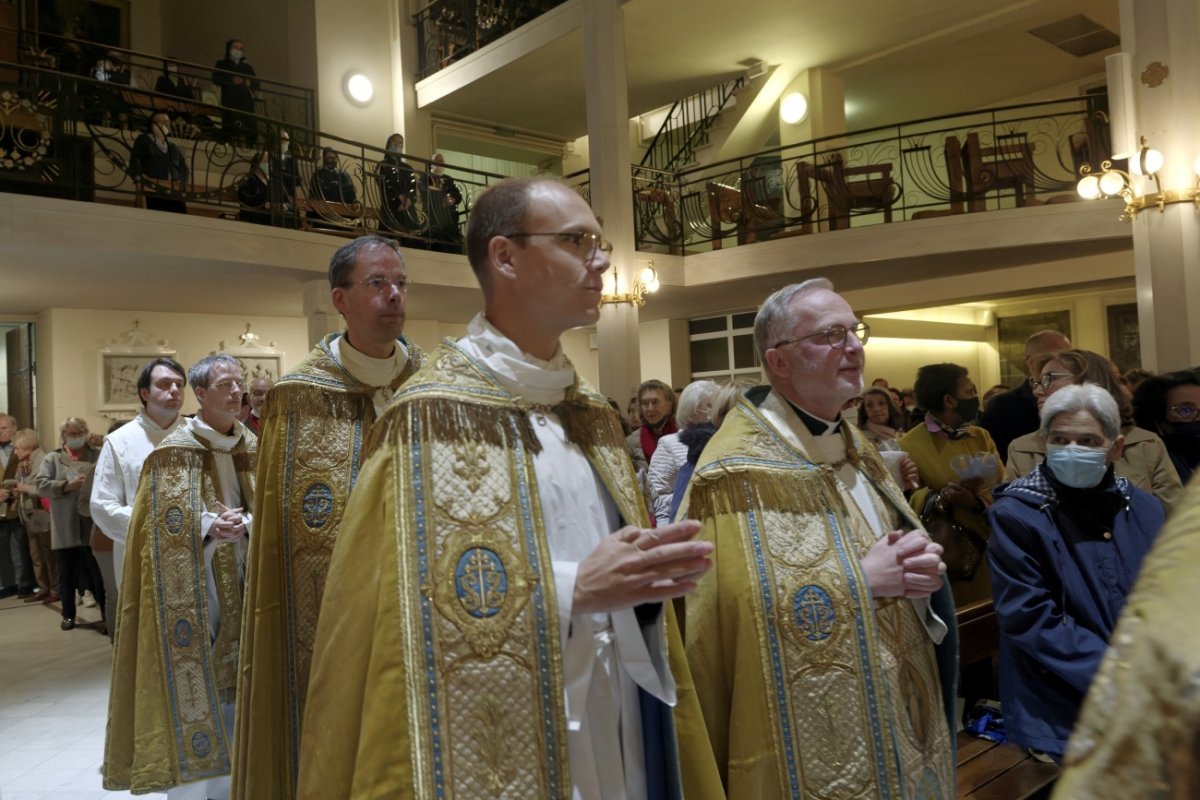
(380, 284)
(835, 335)
(228, 384)
(1046, 379)
(586, 244)
(1187, 411)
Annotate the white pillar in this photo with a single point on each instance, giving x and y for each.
(612, 187)
(1166, 245)
(323, 318)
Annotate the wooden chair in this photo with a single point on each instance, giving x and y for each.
(978, 632)
(658, 203)
(1008, 165)
(847, 189)
(724, 208)
(956, 183)
(991, 771)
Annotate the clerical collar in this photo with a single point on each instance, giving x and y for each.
(378, 373)
(816, 426)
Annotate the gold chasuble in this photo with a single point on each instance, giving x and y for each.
(171, 683)
(437, 671)
(313, 430)
(1138, 735)
(810, 686)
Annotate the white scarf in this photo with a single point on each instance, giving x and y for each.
(378, 373)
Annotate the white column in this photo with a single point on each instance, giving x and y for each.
(1166, 245)
(323, 318)
(612, 187)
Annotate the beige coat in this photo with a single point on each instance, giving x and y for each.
(1145, 462)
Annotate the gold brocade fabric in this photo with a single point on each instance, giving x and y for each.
(314, 427)
(437, 669)
(170, 678)
(810, 687)
(1138, 734)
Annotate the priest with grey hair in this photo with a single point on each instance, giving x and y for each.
(1067, 542)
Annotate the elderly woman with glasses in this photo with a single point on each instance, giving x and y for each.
(1068, 540)
(1170, 405)
(1144, 460)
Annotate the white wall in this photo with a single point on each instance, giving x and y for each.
(69, 342)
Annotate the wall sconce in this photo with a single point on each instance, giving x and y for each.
(359, 89)
(793, 108)
(1146, 163)
(646, 283)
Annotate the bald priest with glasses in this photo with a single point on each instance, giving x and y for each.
(814, 643)
(495, 620)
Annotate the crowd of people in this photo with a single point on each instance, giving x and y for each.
(463, 573)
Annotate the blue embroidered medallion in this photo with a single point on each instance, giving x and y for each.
(814, 613)
(481, 582)
(183, 633)
(201, 744)
(174, 519)
(317, 505)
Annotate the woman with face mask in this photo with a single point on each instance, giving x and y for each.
(59, 478)
(238, 83)
(1067, 542)
(1170, 405)
(1144, 460)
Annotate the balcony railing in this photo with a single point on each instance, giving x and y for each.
(1007, 157)
(294, 105)
(67, 136)
(448, 30)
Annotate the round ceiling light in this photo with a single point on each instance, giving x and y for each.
(793, 108)
(359, 88)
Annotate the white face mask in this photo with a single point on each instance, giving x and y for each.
(437, 169)
(265, 168)
(173, 70)
(164, 130)
(396, 150)
(236, 55)
(285, 148)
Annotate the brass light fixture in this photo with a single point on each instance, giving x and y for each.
(1145, 164)
(646, 283)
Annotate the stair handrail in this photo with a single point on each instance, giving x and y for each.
(680, 134)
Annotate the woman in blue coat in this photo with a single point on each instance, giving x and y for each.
(1067, 542)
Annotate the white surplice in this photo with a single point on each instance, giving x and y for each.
(606, 657)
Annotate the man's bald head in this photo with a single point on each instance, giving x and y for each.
(1044, 342)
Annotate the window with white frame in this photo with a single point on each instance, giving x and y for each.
(722, 347)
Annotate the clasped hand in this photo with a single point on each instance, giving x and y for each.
(229, 526)
(904, 565)
(641, 565)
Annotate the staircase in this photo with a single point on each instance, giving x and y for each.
(689, 125)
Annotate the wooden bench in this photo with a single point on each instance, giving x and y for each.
(991, 771)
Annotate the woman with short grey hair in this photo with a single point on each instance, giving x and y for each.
(695, 403)
(1067, 542)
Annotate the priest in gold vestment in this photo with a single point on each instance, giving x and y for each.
(1138, 734)
(812, 644)
(170, 718)
(314, 427)
(495, 620)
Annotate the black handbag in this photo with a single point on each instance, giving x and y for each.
(962, 548)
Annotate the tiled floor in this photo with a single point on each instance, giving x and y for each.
(53, 705)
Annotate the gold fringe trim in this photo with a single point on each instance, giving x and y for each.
(176, 458)
(452, 420)
(740, 492)
(243, 462)
(591, 425)
(312, 400)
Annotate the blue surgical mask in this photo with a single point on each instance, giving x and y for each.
(1077, 466)
(76, 442)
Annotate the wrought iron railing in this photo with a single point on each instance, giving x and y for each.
(294, 105)
(59, 136)
(687, 126)
(965, 163)
(448, 30)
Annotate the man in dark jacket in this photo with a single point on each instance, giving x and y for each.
(1067, 542)
(331, 183)
(238, 83)
(1013, 414)
(158, 165)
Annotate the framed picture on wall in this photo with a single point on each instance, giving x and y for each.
(119, 373)
(1124, 341)
(1012, 333)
